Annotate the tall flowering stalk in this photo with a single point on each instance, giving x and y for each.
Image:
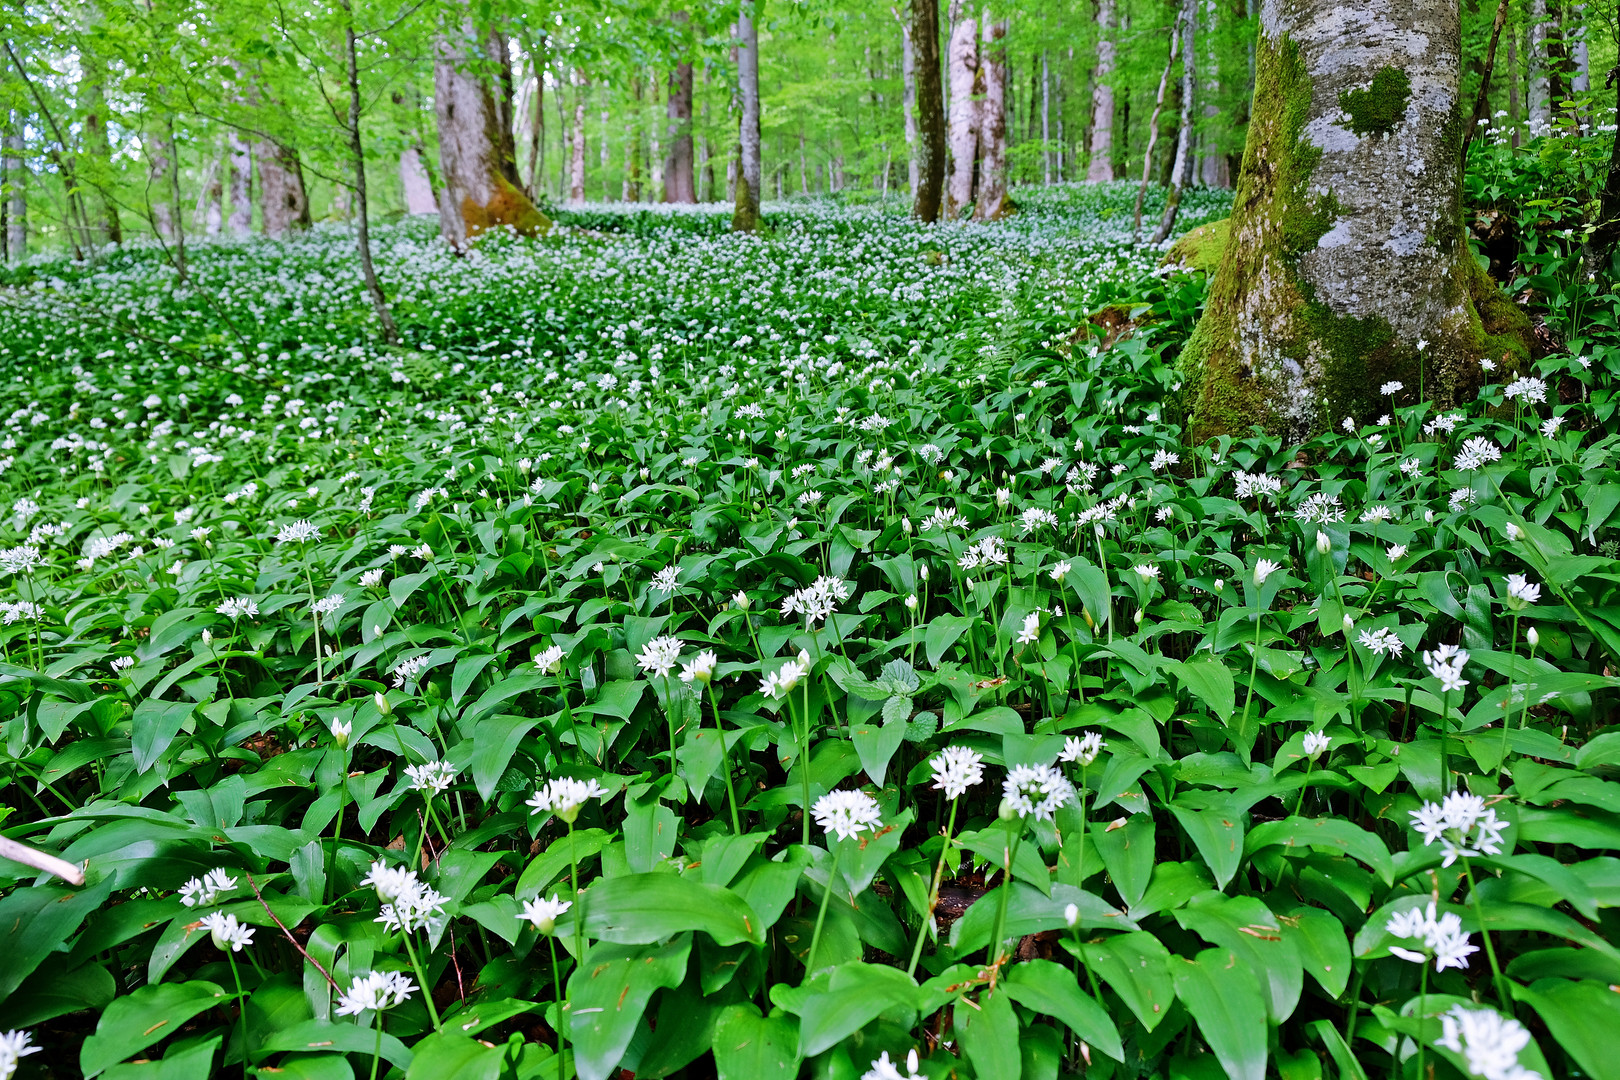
(956, 769)
(844, 814)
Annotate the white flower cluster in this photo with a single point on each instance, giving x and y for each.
(1443, 937)
(1463, 825)
(846, 813)
(563, 796)
(987, 552)
(376, 992)
(956, 768)
(1488, 1041)
(1446, 664)
(13, 1048)
(817, 600)
(1036, 791)
(408, 903)
(206, 890)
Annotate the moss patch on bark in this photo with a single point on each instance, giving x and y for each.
(1377, 109)
(508, 206)
(1200, 249)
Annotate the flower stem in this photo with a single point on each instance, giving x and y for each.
(933, 892)
(725, 761)
(1513, 672)
(376, 1050)
(1001, 905)
(421, 978)
(556, 988)
(241, 1007)
(1502, 990)
(821, 916)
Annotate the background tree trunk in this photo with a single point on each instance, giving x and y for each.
(680, 177)
(283, 203)
(477, 157)
(210, 214)
(745, 218)
(415, 183)
(1347, 248)
(1046, 120)
(992, 196)
(14, 189)
(1100, 167)
(1181, 172)
(930, 105)
(239, 158)
(362, 221)
(962, 60)
(576, 163)
(1213, 170)
(160, 162)
(535, 117)
(95, 169)
(1546, 54)
(1153, 128)
(908, 100)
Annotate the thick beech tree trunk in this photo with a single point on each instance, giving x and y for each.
(745, 217)
(1213, 170)
(477, 158)
(239, 158)
(1101, 165)
(962, 60)
(1346, 246)
(283, 203)
(930, 106)
(992, 194)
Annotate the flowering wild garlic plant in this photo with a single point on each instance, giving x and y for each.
(827, 645)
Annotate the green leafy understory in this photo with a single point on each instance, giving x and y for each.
(807, 655)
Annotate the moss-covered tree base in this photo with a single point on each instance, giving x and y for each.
(1345, 266)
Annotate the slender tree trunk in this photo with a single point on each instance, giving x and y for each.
(362, 217)
(240, 158)
(1212, 168)
(962, 60)
(705, 149)
(1482, 101)
(1513, 87)
(1580, 58)
(1181, 172)
(283, 203)
(1347, 246)
(576, 180)
(159, 163)
(535, 117)
(1153, 127)
(211, 199)
(96, 165)
(1100, 167)
(680, 178)
(930, 110)
(992, 195)
(1046, 120)
(14, 189)
(477, 155)
(1546, 58)
(745, 218)
(908, 100)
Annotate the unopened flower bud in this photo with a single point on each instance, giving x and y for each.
(905, 526)
(911, 602)
(1323, 544)
(1349, 624)
(1071, 916)
(381, 701)
(1532, 637)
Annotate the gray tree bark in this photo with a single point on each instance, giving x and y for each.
(1546, 51)
(962, 61)
(1347, 248)
(1181, 172)
(930, 110)
(415, 183)
(992, 194)
(239, 158)
(95, 167)
(477, 156)
(745, 218)
(14, 188)
(283, 202)
(908, 100)
(1100, 167)
(680, 177)
(576, 156)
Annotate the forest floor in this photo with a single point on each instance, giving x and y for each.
(694, 604)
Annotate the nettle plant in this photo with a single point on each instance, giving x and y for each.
(694, 656)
